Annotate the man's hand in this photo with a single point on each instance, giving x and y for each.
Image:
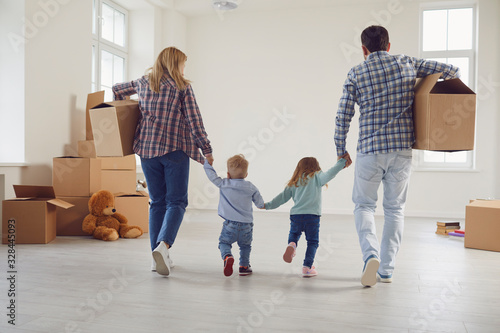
(347, 157)
(210, 159)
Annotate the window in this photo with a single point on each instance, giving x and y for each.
(448, 35)
(109, 46)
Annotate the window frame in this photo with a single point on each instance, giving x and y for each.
(100, 44)
(471, 54)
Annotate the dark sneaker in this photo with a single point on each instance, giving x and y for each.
(245, 270)
(228, 265)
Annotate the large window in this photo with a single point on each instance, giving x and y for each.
(448, 35)
(109, 46)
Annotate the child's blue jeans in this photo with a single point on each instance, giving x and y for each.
(240, 232)
(309, 224)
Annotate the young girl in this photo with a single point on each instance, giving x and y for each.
(305, 190)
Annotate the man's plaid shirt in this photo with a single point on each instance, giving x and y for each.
(383, 86)
(169, 121)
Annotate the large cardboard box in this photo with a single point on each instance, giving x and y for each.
(69, 221)
(135, 207)
(444, 115)
(113, 127)
(31, 216)
(82, 176)
(482, 225)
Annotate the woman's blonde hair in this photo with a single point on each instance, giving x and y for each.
(168, 62)
(306, 168)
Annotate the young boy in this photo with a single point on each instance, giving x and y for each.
(235, 207)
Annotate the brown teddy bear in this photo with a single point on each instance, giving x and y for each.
(104, 222)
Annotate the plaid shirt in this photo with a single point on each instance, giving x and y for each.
(383, 86)
(169, 121)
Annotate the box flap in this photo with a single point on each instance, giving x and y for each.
(60, 203)
(425, 84)
(32, 191)
(93, 99)
(485, 203)
(115, 104)
(453, 86)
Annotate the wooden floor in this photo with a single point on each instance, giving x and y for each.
(78, 284)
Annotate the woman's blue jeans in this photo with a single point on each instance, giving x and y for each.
(309, 224)
(167, 178)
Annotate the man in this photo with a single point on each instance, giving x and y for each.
(382, 86)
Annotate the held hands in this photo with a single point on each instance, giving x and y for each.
(347, 157)
(210, 158)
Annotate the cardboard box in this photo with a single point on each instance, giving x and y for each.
(86, 148)
(135, 207)
(69, 221)
(482, 225)
(82, 176)
(444, 115)
(34, 213)
(113, 127)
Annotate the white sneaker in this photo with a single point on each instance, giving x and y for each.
(162, 259)
(153, 263)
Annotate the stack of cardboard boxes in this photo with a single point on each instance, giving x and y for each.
(105, 161)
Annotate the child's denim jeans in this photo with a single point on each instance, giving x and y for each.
(309, 224)
(240, 232)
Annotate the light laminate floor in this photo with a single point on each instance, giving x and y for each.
(78, 284)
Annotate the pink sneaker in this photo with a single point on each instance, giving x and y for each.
(289, 252)
(309, 271)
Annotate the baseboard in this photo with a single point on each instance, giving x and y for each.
(408, 213)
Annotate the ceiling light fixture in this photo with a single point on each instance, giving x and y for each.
(225, 5)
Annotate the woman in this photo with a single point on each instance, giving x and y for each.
(170, 131)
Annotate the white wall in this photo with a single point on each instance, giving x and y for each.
(251, 66)
(57, 79)
(11, 81)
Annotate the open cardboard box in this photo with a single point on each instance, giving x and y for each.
(482, 225)
(82, 176)
(444, 115)
(34, 213)
(113, 127)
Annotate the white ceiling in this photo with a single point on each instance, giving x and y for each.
(204, 7)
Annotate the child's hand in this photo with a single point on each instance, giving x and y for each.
(210, 159)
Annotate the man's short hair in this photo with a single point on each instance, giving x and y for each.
(375, 38)
(237, 166)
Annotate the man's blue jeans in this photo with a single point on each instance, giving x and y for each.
(167, 178)
(393, 170)
(236, 232)
(309, 224)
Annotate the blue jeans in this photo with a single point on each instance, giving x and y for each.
(309, 224)
(167, 177)
(236, 232)
(392, 170)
